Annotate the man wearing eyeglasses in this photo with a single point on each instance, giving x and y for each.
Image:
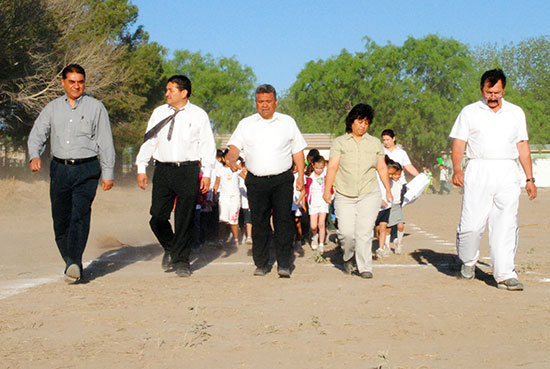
(494, 133)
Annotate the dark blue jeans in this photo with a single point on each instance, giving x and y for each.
(267, 196)
(72, 191)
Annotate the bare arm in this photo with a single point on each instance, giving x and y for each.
(216, 185)
(332, 168)
(232, 157)
(299, 161)
(412, 170)
(382, 170)
(456, 156)
(527, 165)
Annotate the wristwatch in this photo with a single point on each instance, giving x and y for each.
(530, 180)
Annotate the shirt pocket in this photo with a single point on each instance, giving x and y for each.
(84, 127)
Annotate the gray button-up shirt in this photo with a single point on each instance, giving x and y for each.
(76, 133)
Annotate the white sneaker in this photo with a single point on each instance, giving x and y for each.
(398, 247)
(314, 243)
(322, 247)
(383, 252)
(248, 240)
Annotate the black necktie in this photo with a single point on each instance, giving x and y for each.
(153, 131)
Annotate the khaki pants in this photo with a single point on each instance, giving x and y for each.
(356, 217)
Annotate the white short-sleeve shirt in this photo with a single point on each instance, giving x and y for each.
(399, 156)
(268, 144)
(491, 135)
(229, 182)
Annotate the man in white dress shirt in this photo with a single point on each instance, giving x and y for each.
(494, 134)
(180, 140)
(272, 142)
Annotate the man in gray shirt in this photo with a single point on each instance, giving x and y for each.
(80, 130)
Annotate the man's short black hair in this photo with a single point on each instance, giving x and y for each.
(266, 89)
(72, 68)
(493, 76)
(182, 82)
(359, 111)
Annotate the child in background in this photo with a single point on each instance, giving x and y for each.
(430, 176)
(396, 212)
(244, 216)
(298, 209)
(318, 208)
(309, 165)
(227, 185)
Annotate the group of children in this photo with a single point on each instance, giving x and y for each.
(225, 208)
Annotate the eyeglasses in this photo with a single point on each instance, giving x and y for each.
(492, 94)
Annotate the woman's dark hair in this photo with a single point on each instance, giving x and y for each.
(388, 132)
(392, 164)
(359, 111)
(493, 76)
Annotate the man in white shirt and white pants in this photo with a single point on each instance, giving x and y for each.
(271, 142)
(494, 134)
(180, 140)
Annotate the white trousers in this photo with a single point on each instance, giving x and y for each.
(491, 192)
(356, 217)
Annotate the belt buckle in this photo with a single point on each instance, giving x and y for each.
(178, 164)
(69, 162)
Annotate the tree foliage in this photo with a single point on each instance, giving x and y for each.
(221, 86)
(527, 67)
(416, 89)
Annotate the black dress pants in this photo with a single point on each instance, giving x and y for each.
(266, 196)
(72, 191)
(169, 183)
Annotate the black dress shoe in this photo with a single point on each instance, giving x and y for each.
(261, 271)
(166, 261)
(284, 272)
(183, 270)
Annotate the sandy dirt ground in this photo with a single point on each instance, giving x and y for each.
(415, 313)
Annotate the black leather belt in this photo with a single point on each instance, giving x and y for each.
(177, 163)
(74, 161)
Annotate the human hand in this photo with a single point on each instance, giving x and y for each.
(458, 178)
(205, 184)
(142, 180)
(35, 164)
(531, 190)
(107, 184)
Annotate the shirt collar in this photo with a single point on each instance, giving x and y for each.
(76, 102)
(504, 107)
(185, 107)
(260, 119)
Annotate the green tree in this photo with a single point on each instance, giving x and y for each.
(416, 89)
(527, 68)
(221, 86)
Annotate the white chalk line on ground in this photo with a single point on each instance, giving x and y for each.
(14, 287)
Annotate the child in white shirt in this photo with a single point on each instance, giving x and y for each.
(318, 207)
(227, 185)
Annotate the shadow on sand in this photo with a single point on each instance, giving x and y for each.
(114, 260)
(449, 264)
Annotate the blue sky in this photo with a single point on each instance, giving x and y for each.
(276, 39)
